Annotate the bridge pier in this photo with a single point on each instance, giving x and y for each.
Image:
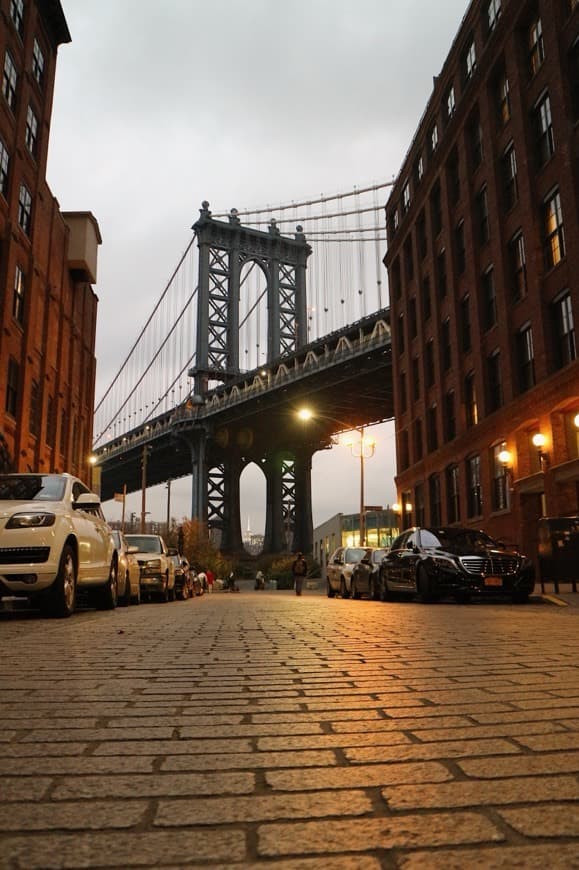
(303, 538)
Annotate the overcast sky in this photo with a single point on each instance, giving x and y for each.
(158, 106)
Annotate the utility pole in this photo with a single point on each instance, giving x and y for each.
(144, 487)
(168, 507)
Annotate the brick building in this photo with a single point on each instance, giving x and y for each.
(47, 263)
(483, 264)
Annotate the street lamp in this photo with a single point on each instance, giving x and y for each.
(361, 448)
(539, 441)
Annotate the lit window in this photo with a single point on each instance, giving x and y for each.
(473, 485)
(553, 230)
(19, 295)
(545, 139)
(38, 63)
(525, 359)
(24, 208)
(564, 330)
(4, 162)
(17, 15)
(9, 81)
(518, 267)
(31, 132)
(536, 46)
(510, 187)
(500, 495)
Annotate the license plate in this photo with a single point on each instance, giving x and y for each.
(493, 581)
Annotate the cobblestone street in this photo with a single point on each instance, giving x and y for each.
(266, 730)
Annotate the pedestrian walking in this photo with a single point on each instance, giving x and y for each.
(299, 571)
(210, 579)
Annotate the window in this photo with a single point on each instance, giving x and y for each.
(9, 81)
(475, 140)
(525, 358)
(12, 386)
(434, 499)
(449, 416)
(500, 493)
(573, 65)
(446, 351)
(441, 282)
(469, 61)
(544, 137)
(418, 169)
(493, 13)
(432, 428)
(436, 210)
(31, 132)
(400, 335)
(474, 494)
(405, 197)
(426, 301)
(396, 276)
(421, 236)
(459, 249)
(402, 390)
(417, 437)
(412, 319)
(17, 15)
(404, 449)
(503, 99)
(509, 171)
(536, 46)
(482, 215)
(19, 295)
(489, 299)
(433, 138)
(450, 103)
(453, 493)
(38, 63)
(563, 330)
(470, 403)
(24, 208)
(415, 378)
(4, 163)
(429, 363)
(465, 323)
(494, 382)
(553, 230)
(518, 267)
(34, 414)
(408, 259)
(453, 177)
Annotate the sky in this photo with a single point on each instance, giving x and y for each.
(158, 106)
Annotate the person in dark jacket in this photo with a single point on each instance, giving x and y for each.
(299, 571)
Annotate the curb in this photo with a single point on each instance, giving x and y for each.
(552, 599)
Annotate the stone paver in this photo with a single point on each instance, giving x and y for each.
(262, 730)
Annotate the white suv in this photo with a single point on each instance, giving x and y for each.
(157, 569)
(53, 540)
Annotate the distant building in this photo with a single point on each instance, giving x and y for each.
(343, 530)
(48, 262)
(483, 264)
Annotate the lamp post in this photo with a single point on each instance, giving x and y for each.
(362, 448)
(168, 506)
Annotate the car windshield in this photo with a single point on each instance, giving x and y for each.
(355, 554)
(459, 541)
(145, 543)
(378, 555)
(31, 487)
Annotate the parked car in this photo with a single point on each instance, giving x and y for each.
(340, 568)
(54, 540)
(129, 572)
(435, 562)
(366, 574)
(183, 582)
(157, 571)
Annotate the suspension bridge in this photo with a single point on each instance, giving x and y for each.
(236, 342)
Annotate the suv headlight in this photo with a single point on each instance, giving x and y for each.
(445, 564)
(153, 565)
(30, 520)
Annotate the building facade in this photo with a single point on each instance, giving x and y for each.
(47, 263)
(483, 264)
(382, 525)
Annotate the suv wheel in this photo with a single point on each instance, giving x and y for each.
(344, 593)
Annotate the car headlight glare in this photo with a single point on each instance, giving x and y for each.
(445, 564)
(153, 564)
(30, 520)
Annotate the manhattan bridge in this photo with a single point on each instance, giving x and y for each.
(267, 311)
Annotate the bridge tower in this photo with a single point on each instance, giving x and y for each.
(225, 247)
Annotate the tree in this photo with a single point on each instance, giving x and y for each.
(200, 550)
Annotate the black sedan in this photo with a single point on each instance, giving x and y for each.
(435, 562)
